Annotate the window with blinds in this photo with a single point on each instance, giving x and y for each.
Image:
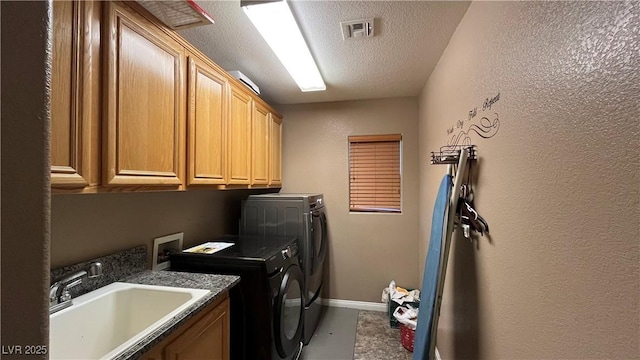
(374, 173)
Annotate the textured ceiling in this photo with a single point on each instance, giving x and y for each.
(409, 38)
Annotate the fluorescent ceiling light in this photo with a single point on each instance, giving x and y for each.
(277, 26)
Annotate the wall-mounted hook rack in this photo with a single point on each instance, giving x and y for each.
(450, 154)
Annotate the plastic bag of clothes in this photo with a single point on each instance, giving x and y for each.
(408, 315)
(395, 297)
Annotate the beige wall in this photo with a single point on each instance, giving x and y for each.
(25, 180)
(558, 184)
(91, 225)
(366, 251)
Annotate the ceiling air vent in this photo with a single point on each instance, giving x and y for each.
(356, 28)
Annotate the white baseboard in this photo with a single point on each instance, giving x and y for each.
(360, 305)
(438, 355)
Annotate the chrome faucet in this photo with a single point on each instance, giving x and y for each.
(59, 296)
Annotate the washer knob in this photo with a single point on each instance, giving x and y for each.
(286, 253)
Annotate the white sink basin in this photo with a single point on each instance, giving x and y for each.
(105, 322)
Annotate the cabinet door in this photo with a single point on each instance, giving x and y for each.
(206, 339)
(260, 145)
(275, 153)
(145, 102)
(239, 137)
(207, 124)
(75, 94)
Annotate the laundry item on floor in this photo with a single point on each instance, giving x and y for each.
(395, 297)
(399, 295)
(407, 315)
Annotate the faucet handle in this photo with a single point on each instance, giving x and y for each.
(73, 283)
(65, 291)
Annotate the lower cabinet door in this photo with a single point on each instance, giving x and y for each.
(206, 339)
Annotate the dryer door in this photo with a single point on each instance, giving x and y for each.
(318, 239)
(289, 308)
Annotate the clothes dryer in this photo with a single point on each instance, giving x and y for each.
(303, 216)
(267, 305)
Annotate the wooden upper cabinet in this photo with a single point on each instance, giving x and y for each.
(206, 124)
(275, 150)
(75, 94)
(145, 102)
(129, 112)
(239, 140)
(260, 145)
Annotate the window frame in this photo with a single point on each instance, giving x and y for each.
(386, 208)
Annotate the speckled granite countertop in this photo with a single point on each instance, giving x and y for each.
(218, 284)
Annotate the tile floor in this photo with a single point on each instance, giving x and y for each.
(345, 334)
